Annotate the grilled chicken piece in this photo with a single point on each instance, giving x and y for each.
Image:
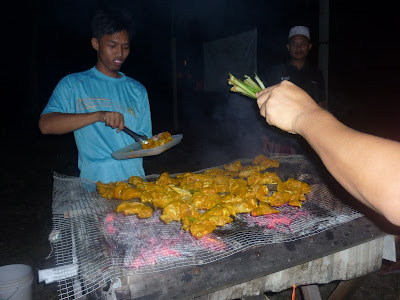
(263, 209)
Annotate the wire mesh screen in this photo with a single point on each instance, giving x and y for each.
(95, 244)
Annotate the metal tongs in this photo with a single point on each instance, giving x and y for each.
(141, 139)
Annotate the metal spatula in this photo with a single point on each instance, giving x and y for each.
(141, 139)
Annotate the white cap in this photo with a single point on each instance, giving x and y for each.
(299, 30)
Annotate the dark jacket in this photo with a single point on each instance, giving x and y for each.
(309, 78)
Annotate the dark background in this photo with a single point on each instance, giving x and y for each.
(44, 40)
(49, 39)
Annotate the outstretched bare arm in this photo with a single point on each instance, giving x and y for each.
(366, 166)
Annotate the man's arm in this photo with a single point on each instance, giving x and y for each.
(60, 123)
(367, 166)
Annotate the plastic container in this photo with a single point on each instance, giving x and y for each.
(135, 149)
(16, 282)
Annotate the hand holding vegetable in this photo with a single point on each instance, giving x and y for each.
(247, 87)
(284, 104)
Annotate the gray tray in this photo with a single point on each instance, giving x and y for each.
(135, 150)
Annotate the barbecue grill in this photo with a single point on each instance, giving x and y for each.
(97, 249)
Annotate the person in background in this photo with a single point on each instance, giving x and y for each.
(97, 103)
(298, 68)
(301, 72)
(365, 165)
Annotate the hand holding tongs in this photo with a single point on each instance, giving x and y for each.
(141, 139)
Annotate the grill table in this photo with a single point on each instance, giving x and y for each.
(336, 243)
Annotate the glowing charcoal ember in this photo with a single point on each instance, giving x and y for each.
(140, 243)
(110, 229)
(285, 218)
(278, 220)
(152, 256)
(212, 243)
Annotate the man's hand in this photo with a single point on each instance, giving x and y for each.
(283, 104)
(112, 119)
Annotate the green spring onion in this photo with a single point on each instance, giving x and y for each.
(247, 87)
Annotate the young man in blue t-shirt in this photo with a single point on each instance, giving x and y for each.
(96, 105)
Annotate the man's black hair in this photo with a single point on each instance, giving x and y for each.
(108, 22)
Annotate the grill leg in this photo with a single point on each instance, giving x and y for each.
(311, 292)
(346, 289)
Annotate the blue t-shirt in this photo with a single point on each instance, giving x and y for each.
(92, 91)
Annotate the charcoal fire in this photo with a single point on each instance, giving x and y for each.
(282, 221)
(146, 242)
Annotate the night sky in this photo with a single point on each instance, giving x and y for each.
(50, 39)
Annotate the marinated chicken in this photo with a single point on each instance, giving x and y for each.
(163, 139)
(118, 190)
(135, 208)
(204, 201)
(263, 209)
(264, 162)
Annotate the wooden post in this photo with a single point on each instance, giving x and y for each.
(323, 48)
(173, 75)
(311, 292)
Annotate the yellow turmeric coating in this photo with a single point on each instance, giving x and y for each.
(204, 201)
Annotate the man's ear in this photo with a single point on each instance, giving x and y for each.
(309, 47)
(287, 46)
(95, 44)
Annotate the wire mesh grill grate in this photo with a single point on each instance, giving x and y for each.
(95, 245)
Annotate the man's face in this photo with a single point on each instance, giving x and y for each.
(299, 46)
(112, 50)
